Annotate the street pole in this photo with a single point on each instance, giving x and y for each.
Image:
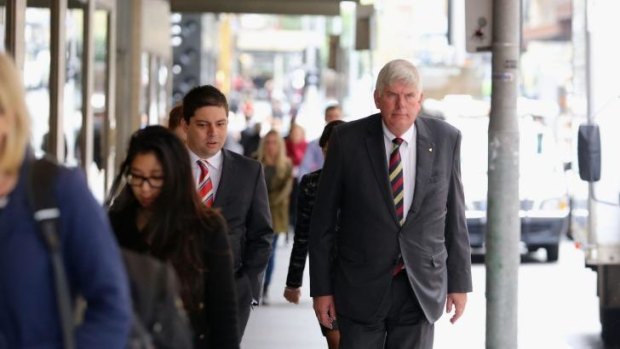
(503, 225)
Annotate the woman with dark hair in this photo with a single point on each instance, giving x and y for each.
(158, 212)
(305, 204)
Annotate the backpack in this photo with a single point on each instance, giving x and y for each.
(159, 321)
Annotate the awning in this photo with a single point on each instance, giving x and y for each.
(280, 7)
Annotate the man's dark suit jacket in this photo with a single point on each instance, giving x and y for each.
(354, 188)
(242, 198)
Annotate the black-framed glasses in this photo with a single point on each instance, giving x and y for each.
(135, 180)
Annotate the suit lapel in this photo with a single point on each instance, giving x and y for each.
(376, 151)
(228, 165)
(425, 156)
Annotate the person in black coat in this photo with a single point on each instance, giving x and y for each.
(237, 189)
(305, 203)
(392, 184)
(159, 213)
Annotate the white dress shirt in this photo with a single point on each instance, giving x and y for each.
(408, 159)
(214, 164)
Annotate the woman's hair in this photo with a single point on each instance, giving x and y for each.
(176, 227)
(13, 108)
(327, 132)
(282, 161)
(296, 128)
(175, 116)
(398, 70)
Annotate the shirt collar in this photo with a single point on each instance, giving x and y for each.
(214, 161)
(408, 137)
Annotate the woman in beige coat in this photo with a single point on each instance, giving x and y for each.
(279, 177)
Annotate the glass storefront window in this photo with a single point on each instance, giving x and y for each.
(162, 79)
(2, 25)
(103, 125)
(154, 90)
(153, 84)
(72, 118)
(37, 71)
(145, 95)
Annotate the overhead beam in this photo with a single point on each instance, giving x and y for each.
(280, 7)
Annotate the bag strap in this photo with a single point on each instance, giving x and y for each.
(43, 173)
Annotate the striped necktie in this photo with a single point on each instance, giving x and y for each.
(396, 182)
(396, 179)
(205, 186)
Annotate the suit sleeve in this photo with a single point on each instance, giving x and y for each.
(220, 295)
(324, 219)
(299, 253)
(94, 265)
(457, 237)
(259, 234)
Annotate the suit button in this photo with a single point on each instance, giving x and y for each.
(157, 327)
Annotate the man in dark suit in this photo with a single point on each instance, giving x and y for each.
(233, 184)
(392, 184)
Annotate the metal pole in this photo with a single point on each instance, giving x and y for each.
(503, 225)
(88, 75)
(592, 238)
(58, 51)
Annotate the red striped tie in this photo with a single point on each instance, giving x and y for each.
(397, 184)
(205, 186)
(396, 179)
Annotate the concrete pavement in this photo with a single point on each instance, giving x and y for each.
(558, 309)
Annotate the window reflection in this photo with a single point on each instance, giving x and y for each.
(154, 96)
(37, 72)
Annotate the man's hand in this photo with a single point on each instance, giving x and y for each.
(458, 300)
(292, 294)
(325, 310)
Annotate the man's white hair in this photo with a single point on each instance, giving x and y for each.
(398, 70)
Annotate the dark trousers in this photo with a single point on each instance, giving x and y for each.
(244, 302)
(400, 324)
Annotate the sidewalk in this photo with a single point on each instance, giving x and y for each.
(283, 325)
(558, 309)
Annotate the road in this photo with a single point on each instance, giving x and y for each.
(558, 309)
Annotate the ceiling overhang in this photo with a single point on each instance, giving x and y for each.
(279, 7)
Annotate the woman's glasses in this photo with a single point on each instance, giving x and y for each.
(135, 180)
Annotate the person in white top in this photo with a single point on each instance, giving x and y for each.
(313, 157)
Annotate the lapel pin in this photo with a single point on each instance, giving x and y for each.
(430, 150)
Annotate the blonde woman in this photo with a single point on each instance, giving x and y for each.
(279, 177)
(29, 316)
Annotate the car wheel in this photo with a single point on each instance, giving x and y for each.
(553, 252)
